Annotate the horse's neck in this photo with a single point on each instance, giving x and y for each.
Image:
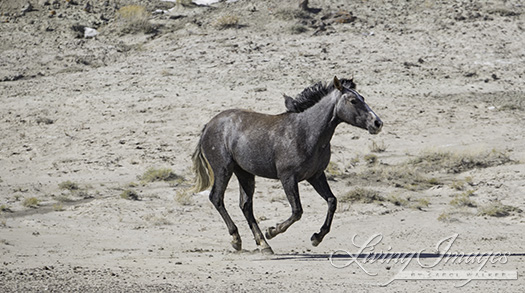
(319, 121)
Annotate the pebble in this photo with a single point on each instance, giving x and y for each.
(90, 32)
(27, 8)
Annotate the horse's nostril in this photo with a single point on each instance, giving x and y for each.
(378, 123)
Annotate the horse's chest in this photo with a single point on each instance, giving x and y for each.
(314, 162)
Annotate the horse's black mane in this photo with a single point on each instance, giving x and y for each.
(313, 94)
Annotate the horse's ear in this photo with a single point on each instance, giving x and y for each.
(289, 102)
(337, 84)
(352, 83)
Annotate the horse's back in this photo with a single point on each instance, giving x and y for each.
(245, 137)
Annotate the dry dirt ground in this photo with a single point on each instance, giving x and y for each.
(87, 123)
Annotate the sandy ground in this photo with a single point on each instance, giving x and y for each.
(97, 113)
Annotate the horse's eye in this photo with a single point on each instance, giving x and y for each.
(353, 101)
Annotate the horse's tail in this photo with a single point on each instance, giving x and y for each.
(203, 171)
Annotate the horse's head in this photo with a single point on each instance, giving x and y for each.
(352, 109)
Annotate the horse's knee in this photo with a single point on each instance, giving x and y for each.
(297, 214)
(332, 203)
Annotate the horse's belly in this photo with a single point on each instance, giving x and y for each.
(258, 163)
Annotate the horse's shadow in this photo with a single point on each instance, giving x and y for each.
(376, 256)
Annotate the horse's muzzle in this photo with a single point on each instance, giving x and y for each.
(376, 126)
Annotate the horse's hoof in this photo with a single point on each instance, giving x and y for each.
(315, 239)
(270, 232)
(267, 250)
(237, 245)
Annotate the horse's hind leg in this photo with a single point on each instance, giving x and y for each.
(247, 188)
(321, 186)
(217, 198)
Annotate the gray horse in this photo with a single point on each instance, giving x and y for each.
(292, 147)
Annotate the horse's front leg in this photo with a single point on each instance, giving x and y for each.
(321, 186)
(292, 193)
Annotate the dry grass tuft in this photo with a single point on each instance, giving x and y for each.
(497, 209)
(420, 173)
(62, 198)
(135, 19)
(398, 200)
(68, 185)
(463, 200)
(184, 2)
(74, 189)
(457, 185)
(458, 162)
(4, 208)
(129, 195)
(161, 174)
(227, 21)
(183, 197)
(370, 159)
(420, 203)
(401, 176)
(298, 29)
(363, 195)
(377, 147)
(444, 217)
(31, 202)
(132, 185)
(157, 220)
(58, 207)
